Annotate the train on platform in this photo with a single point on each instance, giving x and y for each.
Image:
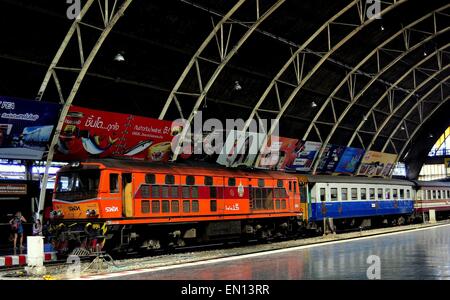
(123, 206)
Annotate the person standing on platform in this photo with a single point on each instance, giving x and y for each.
(17, 228)
(37, 228)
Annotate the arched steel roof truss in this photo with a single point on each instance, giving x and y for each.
(109, 16)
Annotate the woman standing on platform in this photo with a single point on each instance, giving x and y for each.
(17, 228)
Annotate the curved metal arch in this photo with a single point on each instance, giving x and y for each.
(194, 60)
(418, 127)
(321, 61)
(388, 91)
(295, 58)
(422, 99)
(110, 18)
(354, 99)
(400, 105)
(225, 58)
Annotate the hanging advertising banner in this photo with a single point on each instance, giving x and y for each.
(89, 133)
(279, 153)
(330, 158)
(305, 154)
(26, 127)
(240, 149)
(349, 160)
(377, 164)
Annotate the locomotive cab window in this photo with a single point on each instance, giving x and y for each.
(279, 183)
(261, 182)
(208, 180)
(113, 183)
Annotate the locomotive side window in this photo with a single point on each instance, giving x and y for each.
(165, 206)
(208, 180)
(190, 180)
(175, 206)
(283, 204)
(164, 191)
(155, 191)
(174, 192)
(322, 194)
(334, 194)
(231, 181)
(295, 186)
(145, 206)
(194, 192)
(290, 186)
(372, 194)
(150, 178)
(213, 205)
(344, 194)
(279, 183)
(170, 179)
(195, 206)
(277, 204)
(261, 182)
(185, 192)
(186, 206)
(145, 191)
(155, 206)
(213, 192)
(113, 183)
(363, 194)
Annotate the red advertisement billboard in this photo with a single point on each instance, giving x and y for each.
(279, 153)
(89, 133)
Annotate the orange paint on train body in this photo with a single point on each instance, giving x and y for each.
(130, 192)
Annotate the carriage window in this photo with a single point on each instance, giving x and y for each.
(150, 178)
(145, 206)
(277, 204)
(165, 206)
(175, 206)
(380, 194)
(448, 194)
(231, 181)
(186, 206)
(395, 194)
(433, 193)
(402, 194)
(363, 194)
(208, 180)
(322, 194)
(195, 206)
(213, 205)
(113, 183)
(283, 204)
(334, 194)
(279, 183)
(408, 194)
(388, 193)
(261, 182)
(155, 206)
(190, 180)
(194, 192)
(354, 193)
(155, 191)
(174, 192)
(164, 191)
(344, 194)
(185, 192)
(428, 194)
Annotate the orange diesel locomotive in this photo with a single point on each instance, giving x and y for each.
(137, 205)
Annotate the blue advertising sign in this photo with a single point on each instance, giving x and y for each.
(349, 160)
(330, 158)
(26, 127)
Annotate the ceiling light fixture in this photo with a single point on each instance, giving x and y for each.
(313, 104)
(237, 86)
(119, 57)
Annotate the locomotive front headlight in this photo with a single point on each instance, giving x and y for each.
(88, 212)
